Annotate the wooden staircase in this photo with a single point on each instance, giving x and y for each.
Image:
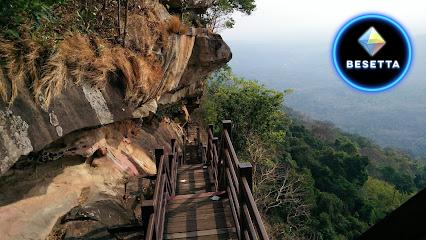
(202, 192)
(192, 213)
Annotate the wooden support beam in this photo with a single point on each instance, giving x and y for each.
(246, 170)
(158, 153)
(227, 125)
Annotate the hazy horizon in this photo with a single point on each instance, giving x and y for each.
(304, 20)
(394, 118)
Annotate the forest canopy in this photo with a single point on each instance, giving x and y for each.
(311, 181)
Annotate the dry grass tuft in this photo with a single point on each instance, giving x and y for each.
(31, 57)
(78, 58)
(3, 87)
(53, 80)
(17, 59)
(84, 60)
(175, 25)
(87, 60)
(138, 74)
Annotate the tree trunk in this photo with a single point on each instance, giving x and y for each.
(119, 19)
(125, 21)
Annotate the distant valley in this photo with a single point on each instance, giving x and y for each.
(395, 118)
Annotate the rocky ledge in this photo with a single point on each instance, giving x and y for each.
(75, 144)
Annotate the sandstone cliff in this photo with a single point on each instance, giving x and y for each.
(78, 121)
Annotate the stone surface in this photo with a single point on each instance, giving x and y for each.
(28, 127)
(33, 201)
(89, 142)
(94, 220)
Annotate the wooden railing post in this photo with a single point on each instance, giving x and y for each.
(158, 153)
(173, 143)
(227, 125)
(148, 206)
(198, 136)
(183, 150)
(219, 166)
(211, 126)
(170, 176)
(204, 154)
(237, 179)
(147, 211)
(245, 171)
(209, 150)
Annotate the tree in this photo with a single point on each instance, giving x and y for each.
(218, 16)
(403, 182)
(310, 180)
(382, 196)
(253, 108)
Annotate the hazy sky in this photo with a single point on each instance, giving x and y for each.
(311, 20)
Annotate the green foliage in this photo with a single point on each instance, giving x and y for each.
(253, 108)
(420, 178)
(382, 196)
(403, 182)
(219, 15)
(13, 13)
(330, 167)
(245, 6)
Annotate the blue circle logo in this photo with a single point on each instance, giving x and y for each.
(372, 53)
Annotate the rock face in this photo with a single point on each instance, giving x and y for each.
(32, 200)
(108, 217)
(25, 126)
(67, 166)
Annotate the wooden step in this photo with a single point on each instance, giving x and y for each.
(181, 217)
(196, 205)
(189, 167)
(195, 224)
(193, 191)
(211, 234)
(197, 177)
(193, 173)
(199, 212)
(192, 214)
(194, 197)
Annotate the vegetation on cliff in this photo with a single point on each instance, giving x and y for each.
(311, 179)
(44, 43)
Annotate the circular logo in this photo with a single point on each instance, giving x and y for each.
(372, 53)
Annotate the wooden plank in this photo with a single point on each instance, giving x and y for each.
(197, 225)
(193, 213)
(193, 191)
(192, 171)
(203, 233)
(190, 187)
(193, 174)
(191, 166)
(198, 205)
(205, 216)
(213, 237)
(193, 185)
(201, 197)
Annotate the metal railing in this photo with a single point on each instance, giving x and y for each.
(235, 178)
(154, 210)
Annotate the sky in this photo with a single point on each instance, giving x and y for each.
(310, 20)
